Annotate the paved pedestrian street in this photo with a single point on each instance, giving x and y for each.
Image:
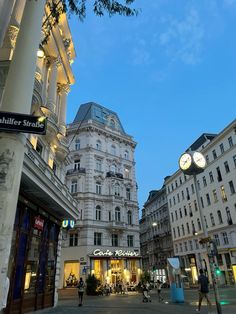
(132, 303)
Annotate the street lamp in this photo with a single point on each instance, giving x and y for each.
(193, 163)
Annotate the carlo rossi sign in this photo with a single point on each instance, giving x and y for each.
(17, 122)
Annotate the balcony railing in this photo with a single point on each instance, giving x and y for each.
(77, 170)
(111, 174)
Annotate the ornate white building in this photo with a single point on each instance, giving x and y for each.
(217, 187)
(30, 232)
(105, 241)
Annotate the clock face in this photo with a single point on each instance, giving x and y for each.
(199, 160)
(185, 161)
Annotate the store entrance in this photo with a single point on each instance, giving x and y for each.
(117, 270)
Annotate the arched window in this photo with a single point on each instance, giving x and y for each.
(129, 217)
(112, 124)
(99, 145)
(126, 155)
(219, 216)
(74, 186)
(113, 150)
(77, 144)
(117, 214)
(98, 212)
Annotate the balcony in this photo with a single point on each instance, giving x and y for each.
(116, 226)
(75, 171)
(52, 120)
(111, 174)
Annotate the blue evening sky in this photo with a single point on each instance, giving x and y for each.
(170, 75)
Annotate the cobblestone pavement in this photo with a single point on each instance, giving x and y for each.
(132, 304)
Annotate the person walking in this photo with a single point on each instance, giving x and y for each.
(159, 286)
(203, 289)
(81, 286)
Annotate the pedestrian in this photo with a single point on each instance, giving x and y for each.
(203, 289)
(81, 286)
(159, 286)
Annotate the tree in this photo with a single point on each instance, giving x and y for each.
(79, 7)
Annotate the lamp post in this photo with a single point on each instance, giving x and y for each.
(193, 163)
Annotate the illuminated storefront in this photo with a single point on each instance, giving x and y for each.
(115, 266)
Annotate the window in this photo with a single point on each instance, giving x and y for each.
(199, 224)
(176, 215)
(126, 173)
(207, 159)
(76, 164)
(195, 205)
(222, 148)
(117, 189)
(98, 188)
(126, 155)
(176, 248)
(97, 238)
(180, 180)
(109, 215)
(208, 199)
(130, 240)
(190, 210)
(117, 214)
(114, 239)
(182, 192)
(128, 193)
(215, 196)
(73, 240)
(172, 217)
(174, 200)
(214, 154)
(198, 185)
(229, 219)
(178, 231)
(180, 213)
(205, 220)
(212, 220)
(113, 168)
(211, 177)
(185, 246)
(217, 240)
(231, 186)
(223, 194)
(74, 186)
(98, 145)
(54, 167)
(234, 159)
(188, 229)
(190, 245)
(185, 211)
(219, 217)
(227, 170)
(176, 183)
(183, 231)
(181, 247)
(39, 148)
(174, 233)
(98, 212)
(192, 187)
(187, 192)
(225, 238)
(230, 140)
(77, 144)
(129, 217)
(219, 176)
(98, 165)
(196, 244)
(170, 202)
(204, 181)
(202, 203)
(113, 150)
(178, 197)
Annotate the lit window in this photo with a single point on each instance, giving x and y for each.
(223, 194)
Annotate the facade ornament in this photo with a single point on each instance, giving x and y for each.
(12, 33)
(63, 88)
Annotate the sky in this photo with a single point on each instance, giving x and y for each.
(169, 74)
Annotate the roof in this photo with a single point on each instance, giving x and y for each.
(205, 138)
(99, 114)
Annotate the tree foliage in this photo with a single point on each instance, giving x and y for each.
(79, 7)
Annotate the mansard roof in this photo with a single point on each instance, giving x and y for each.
(202, 141)
(99, 114)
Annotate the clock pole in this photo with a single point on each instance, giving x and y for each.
(194, 169)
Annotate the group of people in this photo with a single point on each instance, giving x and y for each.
(120, 287)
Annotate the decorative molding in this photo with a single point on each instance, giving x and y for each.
(12, 33)
(63, 88)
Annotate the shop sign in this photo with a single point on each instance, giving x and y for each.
(38, 223)
(17, 122)
(116, 253)
(68, 223)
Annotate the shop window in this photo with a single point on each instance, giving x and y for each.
(130, 240)
(114, 239)
(71, 273)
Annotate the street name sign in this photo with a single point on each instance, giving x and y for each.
(17, 122)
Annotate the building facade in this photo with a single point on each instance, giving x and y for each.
(216, 187)
(44, 199)
(105, 241)
(155, 235)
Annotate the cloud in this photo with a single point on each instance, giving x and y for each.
(141, 54)
(183, 39)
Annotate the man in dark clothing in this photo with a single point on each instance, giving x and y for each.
(81, 287)
(203, 290)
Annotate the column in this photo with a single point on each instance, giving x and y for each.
(52, 88)
(16, 98)
(64, 90)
